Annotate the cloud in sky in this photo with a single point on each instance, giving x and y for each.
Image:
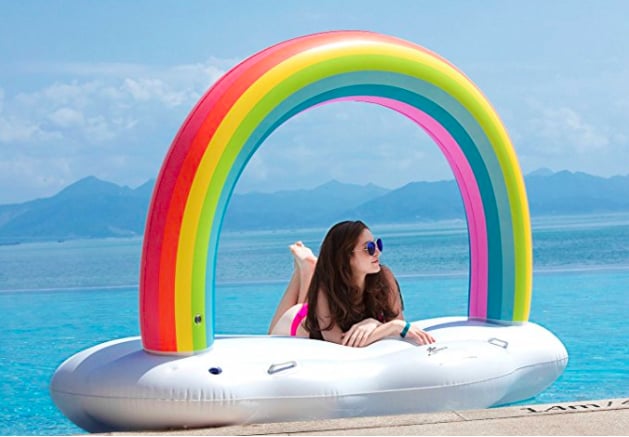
(80, 98)
(104, 120)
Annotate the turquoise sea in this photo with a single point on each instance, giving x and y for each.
(59, 298)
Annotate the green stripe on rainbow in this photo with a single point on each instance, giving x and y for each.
(235, 116)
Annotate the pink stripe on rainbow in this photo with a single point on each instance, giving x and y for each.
(469, 191)
(232, 119)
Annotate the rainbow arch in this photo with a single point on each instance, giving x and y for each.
(249, 102)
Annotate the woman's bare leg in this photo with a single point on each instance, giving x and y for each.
(305, 263)
(288, 300)
(297, 287)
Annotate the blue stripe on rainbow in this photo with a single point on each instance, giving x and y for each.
(237, 114)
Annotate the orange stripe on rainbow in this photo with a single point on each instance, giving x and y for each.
(232, 119)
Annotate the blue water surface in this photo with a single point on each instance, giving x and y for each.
(59, 298)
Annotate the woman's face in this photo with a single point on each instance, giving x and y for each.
(361, 262)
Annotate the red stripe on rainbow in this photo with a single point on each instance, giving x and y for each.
(157, 316)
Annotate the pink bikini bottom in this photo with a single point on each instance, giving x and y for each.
(299, 317)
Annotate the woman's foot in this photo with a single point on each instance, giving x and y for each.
(303, 255)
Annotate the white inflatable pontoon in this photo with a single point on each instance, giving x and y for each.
(255, 379)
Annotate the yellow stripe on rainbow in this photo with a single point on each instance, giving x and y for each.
(393, 67)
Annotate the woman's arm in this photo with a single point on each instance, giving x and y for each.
(370, 330)
(356, 336)
(363, 334)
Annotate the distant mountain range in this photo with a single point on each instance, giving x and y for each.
(92, 208)
(89, 208)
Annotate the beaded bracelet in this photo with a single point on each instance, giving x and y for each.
(405, 330)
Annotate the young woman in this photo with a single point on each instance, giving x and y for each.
(345, 296)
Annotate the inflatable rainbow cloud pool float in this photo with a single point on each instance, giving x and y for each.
(180, 374)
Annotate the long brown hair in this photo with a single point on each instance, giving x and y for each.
(333, 276)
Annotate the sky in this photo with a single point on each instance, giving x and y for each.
(100, 88)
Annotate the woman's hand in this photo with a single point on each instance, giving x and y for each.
(359, 333)
(418, 336)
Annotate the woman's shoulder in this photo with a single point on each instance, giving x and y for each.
(386, 271)
(387, 274)
(393, 284)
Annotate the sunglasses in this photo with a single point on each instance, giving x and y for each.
(370, 246)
